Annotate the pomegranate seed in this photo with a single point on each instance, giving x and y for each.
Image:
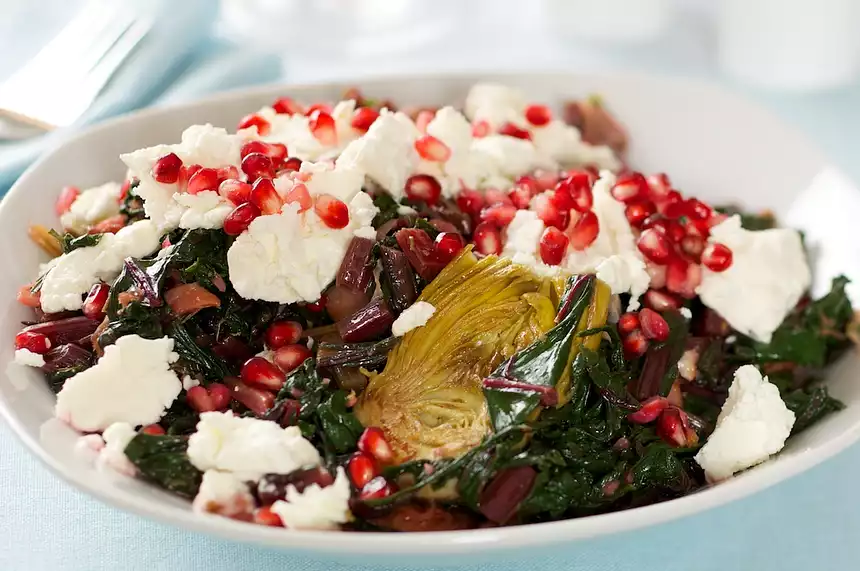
(577, 187)
(675, 231)
(683, 278)
(299, 193)
(333, 212)
(530, 182)
(259, 372)
(673, 427)
(292, 164)
(512, 130)
(672, 205)
(653, 325)
(584, 231)
(654, 245)
(362, 469)
(28, 298)
(364, 118)
(658, 186)
(376, 489)
(275, 151)
(448, 245)
(32, 341)
(166, 169)
(551, 215)
(692, 246)
(480, 129)
(487, 238)
(423, 187)
(717, 218)
(153, 430)
(717, 257)
(698, 209)
(500, 215)
(372, 441)
(235, 191)
(495, 196)
(265, 516)
(423, 119)
(323, 128)
(470, 201)
(700, 228)
(265, 197)
(635, 345)
(432, 149)
(94, 304)
(254, 120)
(67, 197)
(123, 190)
(638, 212)
(657, 274)
(630, 187)
(546, 179)
(553, 245)
(257, 165)
(282, 333)
(289, 357)
(538, 115)
(661, 301)
(628, 323)
(321, 107)
(520, 196)
(238, 221)
(207, 399)
(286, 106)
(203, 179)
(649, 410)
(318, 305)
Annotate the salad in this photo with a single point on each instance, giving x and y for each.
(352, 317)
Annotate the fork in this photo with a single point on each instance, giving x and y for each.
(61, 82)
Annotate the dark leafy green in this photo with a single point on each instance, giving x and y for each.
(195, 359)
(164, 460)
(387, 209)
(132, 205)
(70, 242)
(761, 221)
(135, 318)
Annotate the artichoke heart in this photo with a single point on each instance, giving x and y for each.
(429, 397)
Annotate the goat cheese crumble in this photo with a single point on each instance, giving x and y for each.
(116, 437)
(416, 315)
(28, 358)
(316, 507)
(224, 494)
(132, 383)
(754, 424)
(92, 206)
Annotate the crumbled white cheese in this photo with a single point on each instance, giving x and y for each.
(88, 444)
(189, 382)
(465, 167)
(72, 275)
(509, 158)
(768, 276)
(132, 382)
(290, 257)
(753, 425)
(316, 507)
(224, 494)
(686, 313)
(404, 210)
(92, 206)
(522, 242)
(206, 209)
(325, 178)
(116, 438)
(28, 358)
(248, 447)
(416, 315)
(564, 144)
(687, 364)
(496, 104)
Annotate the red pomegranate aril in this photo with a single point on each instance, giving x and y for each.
(432, 149)
(649, 410)
(361, 469)
(289, 357)
(153, 430)
(628, 323)
(578, 186)
(265, 516)
(672, 427)
(372, 441)
(319, 106)
(166, 169)
(654, 246)
(207, 399)
(94, 304)
(323, 128)
(495, 196)
(661, 301)
(318, 305)
(258, 372)
(584, 231)
(538, 115)
(553, 245)
(258, 400)
(67, 197)
(672, 205)
(653, 325)
(300, 194)
(257, 165)
(424, 188)
(449, 244)
(291, 164)
(521, 196)
(33, 342)
(499, 215)
(265, 197)
(658, 186)
(635, 345)
(227, 172)
(657, 273)
(376, 489)
(239, 220)
(235, 191)
(698, 209)
(683, 277)
(487, 238)
(550, 214)
(675, 231)
(333, 212)
(282, 333)
(276, 151)
(638, 212)
(423, 119)
(364, 118)
(481, 129)
(692, 247)
(203, 179)
(286, 106)
(254, 120)
(717, 257)
(512, 130)
(630, 187)
(470, 201)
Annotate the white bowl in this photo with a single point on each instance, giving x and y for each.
(713, 145)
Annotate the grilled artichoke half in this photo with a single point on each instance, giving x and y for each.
(429, 398)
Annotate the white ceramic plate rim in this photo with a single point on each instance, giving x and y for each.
(453, 542)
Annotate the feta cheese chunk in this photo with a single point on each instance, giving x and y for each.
(416, 315)
(523, 239)
(563, 143)
(132, 383)
(112, 455)
(72, 275)
(768, 276)
(28, 358)
(316, 507)
(206, 209)
(753, 425)
(325, 178)
(509, 158)
(466, 167)
(248, 447)
(92, 206)
(496, 104)
(292, 256)
(224, 494)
